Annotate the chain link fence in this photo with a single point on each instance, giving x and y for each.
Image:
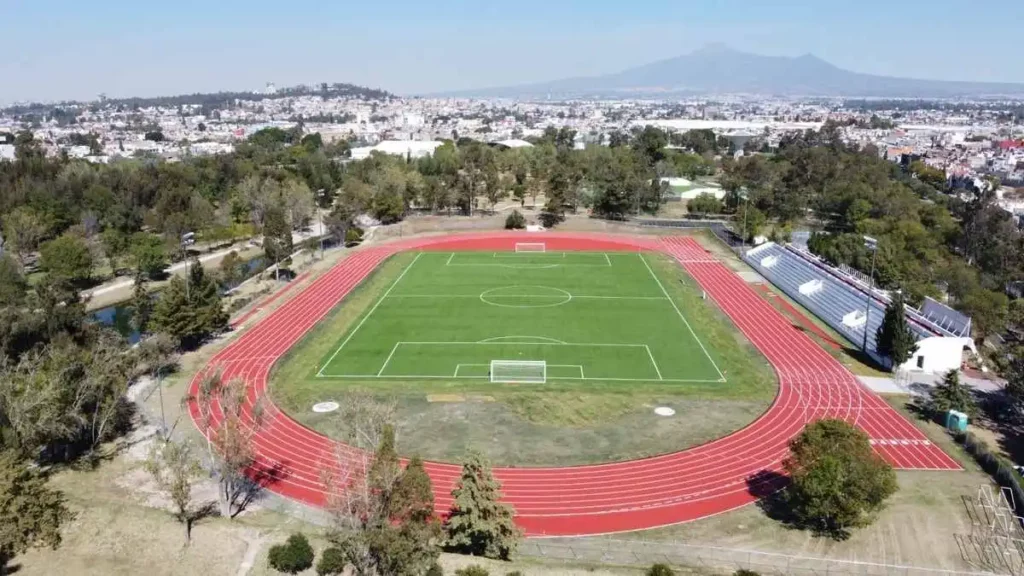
(711, 558)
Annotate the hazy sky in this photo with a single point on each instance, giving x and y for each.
(55, 49)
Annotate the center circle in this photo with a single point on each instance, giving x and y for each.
(525, 296)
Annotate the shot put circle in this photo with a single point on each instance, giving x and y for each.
(525, 297)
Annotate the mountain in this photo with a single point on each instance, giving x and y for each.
(717, 69)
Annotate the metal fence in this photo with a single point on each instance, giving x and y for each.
(710, 558)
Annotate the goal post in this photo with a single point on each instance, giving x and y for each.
(531, 247)
(519, 371)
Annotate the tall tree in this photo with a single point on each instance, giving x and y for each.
(478, 523)
(952, 394)
(894, 338)
(67, 258)
(31, 513)
(190, 310)
(277, 235)
(176, 471)
(142, 304)
(23, 228)
(838, 482)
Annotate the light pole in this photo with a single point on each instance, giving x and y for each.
(320, 216)
(160, 391)
(872, 245)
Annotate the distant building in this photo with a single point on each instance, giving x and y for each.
(512, 143)
(410, 148)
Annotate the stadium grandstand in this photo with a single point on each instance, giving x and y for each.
(845, 301)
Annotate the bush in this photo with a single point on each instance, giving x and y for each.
(549, 219)
(745, 572)
(515, 221)
(660, 570)
(999, 468)
(473, 570)
(293, 556)
(435, 570)
(353, 236)
(514, 573)
(332, 561)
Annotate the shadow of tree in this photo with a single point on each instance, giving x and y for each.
(778, 503)
(257, 479)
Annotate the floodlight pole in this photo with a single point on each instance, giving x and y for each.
(873, 244)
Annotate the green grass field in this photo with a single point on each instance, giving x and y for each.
(589, 316)
(621, 334)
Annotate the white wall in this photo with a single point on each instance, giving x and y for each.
(938, 354)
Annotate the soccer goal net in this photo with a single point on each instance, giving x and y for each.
(519, 371)
(530, 247)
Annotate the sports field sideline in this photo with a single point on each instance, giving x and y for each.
(588, 315)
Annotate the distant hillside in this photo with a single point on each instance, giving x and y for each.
(718, 69)
(217, 99)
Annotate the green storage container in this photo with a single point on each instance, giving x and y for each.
(956, 421)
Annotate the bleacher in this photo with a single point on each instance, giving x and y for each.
(840, 299)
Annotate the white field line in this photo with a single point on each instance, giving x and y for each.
(385, 365)
(656, 369)
(368, 314)
(436, 377)
(609, 345)
(678, 311)
(449, 263)
(574, 296)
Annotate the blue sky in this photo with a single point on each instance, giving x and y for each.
(73, 49)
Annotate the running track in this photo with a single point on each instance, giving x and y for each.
(709, 479)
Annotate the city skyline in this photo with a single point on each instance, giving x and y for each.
(123, 49)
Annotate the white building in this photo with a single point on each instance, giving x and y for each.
(411, 148)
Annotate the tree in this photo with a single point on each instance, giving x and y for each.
(31, 513)
(750, 221)
(231, 269)
(292, 557)
(660, 570)
(277, 235)
(384, 520)
(12, 284)
(67, 258)
(23, 228)
(148, 254)
(837, 480)
(894, 338)
(115, 245)
(190, 310)
(176, 470)
(515, 221)
(703, 204)
(478, 523)
(142, 304)
(952, 394)
(229, 437)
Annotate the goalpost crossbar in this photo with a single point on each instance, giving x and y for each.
(531, 247)
(518, 371)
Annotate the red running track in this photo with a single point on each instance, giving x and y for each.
(701, 481)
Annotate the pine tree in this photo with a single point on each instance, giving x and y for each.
(31, 513)
(190, 312)
(142, 304)
(413, 496)
(478, 524)
(952, 394)
(277, 235)
(894, 339)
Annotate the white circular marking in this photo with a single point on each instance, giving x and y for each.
(324, 407)
(664, 411)
(555, 297)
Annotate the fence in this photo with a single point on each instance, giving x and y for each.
(711, 558)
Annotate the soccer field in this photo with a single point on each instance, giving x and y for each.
(589, 316)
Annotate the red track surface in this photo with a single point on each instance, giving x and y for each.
(672, 488)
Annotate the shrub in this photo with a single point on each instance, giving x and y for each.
(745, 572)
(515, 221)
(514, 573)
(293, 556)
(549, 219)
(997, 467)
(473, 570)
(435, 570)
(353, 236)
(332, 561)
(660, 570)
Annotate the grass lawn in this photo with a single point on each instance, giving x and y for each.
(622, 333)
